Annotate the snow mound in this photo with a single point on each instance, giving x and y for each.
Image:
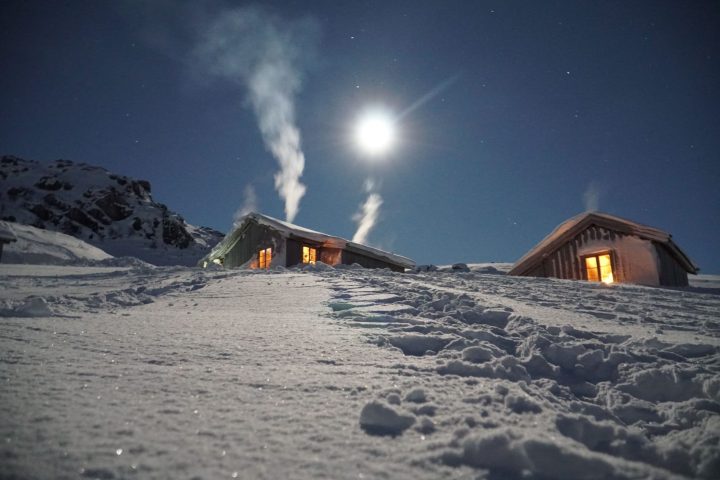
(379, 418)
(123, 262)
(514, 451)
(45, 247)
(31, 307)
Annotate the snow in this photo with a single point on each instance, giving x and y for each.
(113, 212)
(379, 418)
(132, 371)
(38, 246)
(6, 234)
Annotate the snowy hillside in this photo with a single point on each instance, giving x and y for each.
(112, 212)
(352, 373)
(37, 246)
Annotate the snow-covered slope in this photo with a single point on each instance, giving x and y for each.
(37, 246)
(113, 212)
(353, 373)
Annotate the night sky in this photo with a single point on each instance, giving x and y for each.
(544, 108)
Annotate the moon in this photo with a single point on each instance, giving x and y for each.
(375, 132)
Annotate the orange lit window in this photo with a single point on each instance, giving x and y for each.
(599, 268)
(309, 255)
(265, 258)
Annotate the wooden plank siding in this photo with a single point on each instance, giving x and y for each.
(565, 261)
(538, 271)
(671, 272)
(638, 253)
(254, 238)
(330, 255)
(294, 248)
(293, 252)
(349, 257)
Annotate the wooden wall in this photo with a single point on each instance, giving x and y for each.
(565, 262)
(671, 273)
(293, 252)
(257, 237)
(330, 256)
(350, 257)
(254, 238)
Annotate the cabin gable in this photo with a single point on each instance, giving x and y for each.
(250, 241)
(633, 259)
(628, 252)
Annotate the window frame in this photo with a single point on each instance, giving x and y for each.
(597, 255)
(312, 249)
(263, 258)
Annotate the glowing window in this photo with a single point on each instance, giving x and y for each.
(265, 258)
(309, 255)
(599, 268)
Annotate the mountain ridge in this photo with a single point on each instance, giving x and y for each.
(111, 211)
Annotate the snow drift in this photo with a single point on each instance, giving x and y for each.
(37, 246)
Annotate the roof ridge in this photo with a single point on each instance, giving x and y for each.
(299, 231)
(583, 220)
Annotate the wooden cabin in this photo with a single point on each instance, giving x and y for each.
(598, 247)
(262, 242)
(6, 236)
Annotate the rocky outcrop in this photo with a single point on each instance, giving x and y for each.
(111, 211)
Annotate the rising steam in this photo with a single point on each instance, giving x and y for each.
(591, 197)
(249, 205)
(268, 56)
(368, 214)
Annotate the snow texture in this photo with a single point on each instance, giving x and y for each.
(37, 246)
(154, 372)
(6, 234)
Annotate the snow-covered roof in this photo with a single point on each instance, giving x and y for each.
(291, 230)
(6, 233)
(578, 223)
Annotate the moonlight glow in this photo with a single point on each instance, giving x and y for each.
(375, 133)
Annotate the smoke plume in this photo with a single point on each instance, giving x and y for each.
(268, 56)
(591, 197)
(368, 214)
(249, 205)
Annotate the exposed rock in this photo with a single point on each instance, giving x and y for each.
(49, 183)
(113, 212)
